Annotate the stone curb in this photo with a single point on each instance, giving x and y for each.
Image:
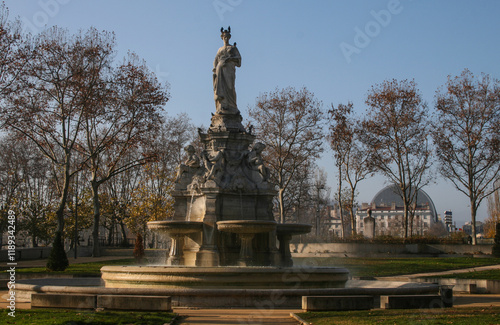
(174, 319)
(298, 319)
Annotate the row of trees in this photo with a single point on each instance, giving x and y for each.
(28, 185)
(80, 125)
(67, 102)
(401, 140)
(397, 137)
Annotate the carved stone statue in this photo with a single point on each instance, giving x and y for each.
(213, 165)
(191, 165)
(256, 162)
(224, 75)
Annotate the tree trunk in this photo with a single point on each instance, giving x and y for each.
(340, 202)
(96, 252)
(64, 195)
(124, 233)
(405, 220)
(353, 217)
(473, 212)
(282, 205)
(111, 233)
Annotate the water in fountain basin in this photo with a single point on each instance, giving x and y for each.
(241, 204)
(188, 218)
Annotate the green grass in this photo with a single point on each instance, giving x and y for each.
(376, 267)
(358, 267)
(88, 269)
(478, 275)
(80, 317)
(465, 316)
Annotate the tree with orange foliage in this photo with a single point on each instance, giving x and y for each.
(151, 199)
(353, 160)
(493, 213)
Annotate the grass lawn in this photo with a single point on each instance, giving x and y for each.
(387, 266)
(466, 316)
(362, 267)
(479, 275)
(77, 317)
(88, 269)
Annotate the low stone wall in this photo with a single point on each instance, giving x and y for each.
(23, 254)
(465, 285)
(371, 249)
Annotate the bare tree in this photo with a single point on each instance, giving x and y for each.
(467, 136)
(54, 93)
(395, 132)
(128, 118)
(353, 160)
(11, 178)
(289, 122)
(299, 199)
(26, 185)
(11, 58)
(320, 197)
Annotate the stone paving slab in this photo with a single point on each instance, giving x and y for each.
(236, 316)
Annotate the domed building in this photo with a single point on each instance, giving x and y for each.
(387, 210)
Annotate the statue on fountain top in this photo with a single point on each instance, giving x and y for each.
(224, 75)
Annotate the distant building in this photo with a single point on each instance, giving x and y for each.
(387, 209)
(448, 221)
(467, 228)
(335, 223)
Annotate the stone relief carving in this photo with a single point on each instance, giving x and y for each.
(191, 165)
(214, 167)
(257, 163)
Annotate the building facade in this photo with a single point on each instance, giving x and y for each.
(387, 210)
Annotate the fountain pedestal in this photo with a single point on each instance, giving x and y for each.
(177, 230)
(285, 232)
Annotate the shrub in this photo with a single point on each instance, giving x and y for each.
(58, 261)
(495, 251)
(139, 249)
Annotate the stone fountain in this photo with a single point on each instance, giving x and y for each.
(227, 250)
(223, 230)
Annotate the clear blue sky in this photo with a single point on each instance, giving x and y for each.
(337, 49)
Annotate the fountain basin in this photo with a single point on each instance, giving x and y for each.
(293, 229)
(246, 226)
(176, 227)
(263, 299)
(223, 277)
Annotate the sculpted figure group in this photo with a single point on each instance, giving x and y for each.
(214, 166)
(225, 168)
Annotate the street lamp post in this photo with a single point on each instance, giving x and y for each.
(76, 216)
(319, 187)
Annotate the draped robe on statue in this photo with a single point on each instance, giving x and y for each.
(225, 63)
